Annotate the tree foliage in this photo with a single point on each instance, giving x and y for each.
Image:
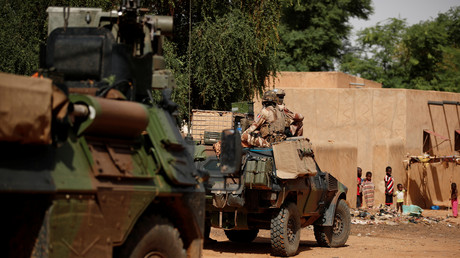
(233, 48)
(312, 32)
(228, 60)
(376, 56)
(23, 29)
(422, 56)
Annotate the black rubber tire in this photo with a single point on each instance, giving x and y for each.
(242, 236)
(336, 235)
(153, 236)
(285, 231)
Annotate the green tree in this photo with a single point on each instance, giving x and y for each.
(233, 49)
(377, 55)
(312, 32)
(450, 69)
(228, 62)
(23, 29)
(434, 51)
(422, 56)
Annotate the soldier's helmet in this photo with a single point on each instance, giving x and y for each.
(270, 97)
(280, 93)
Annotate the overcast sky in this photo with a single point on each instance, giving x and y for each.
(413, 11)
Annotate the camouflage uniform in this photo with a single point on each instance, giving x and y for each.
(267, 128)
(293, 120)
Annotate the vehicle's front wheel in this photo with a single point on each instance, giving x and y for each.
(152, 237)
(337, 234)
(242, 236)
(285, 230)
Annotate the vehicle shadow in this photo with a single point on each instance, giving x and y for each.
(261, 245)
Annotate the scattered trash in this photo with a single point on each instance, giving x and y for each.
(412, 214)
(435, 207)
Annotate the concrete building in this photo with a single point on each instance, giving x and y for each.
(354, 122)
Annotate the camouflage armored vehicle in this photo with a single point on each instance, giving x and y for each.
(281, 189)
(89, 167)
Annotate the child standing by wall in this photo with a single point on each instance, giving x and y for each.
(368, 190)
(359, 196)
(400, 197)
(389, 185)
(454, 199)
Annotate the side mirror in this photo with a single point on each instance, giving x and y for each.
(230, 157)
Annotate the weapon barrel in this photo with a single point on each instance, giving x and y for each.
(110, 118)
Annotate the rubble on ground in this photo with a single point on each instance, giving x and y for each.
(389, 216)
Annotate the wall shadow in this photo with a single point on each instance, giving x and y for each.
(436, 182)
(418, 197)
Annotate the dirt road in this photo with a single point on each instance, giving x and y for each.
(405, 239)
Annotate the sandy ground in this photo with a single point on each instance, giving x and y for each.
(405, 239)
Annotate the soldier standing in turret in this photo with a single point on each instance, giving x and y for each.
(268, 126)
(293, 120)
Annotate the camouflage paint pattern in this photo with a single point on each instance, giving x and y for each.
(82, 195)
(95, 203)
(316, 196)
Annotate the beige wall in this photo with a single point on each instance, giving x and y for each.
(430, 184)
(373, 128)
(338, 159)
(320, 80)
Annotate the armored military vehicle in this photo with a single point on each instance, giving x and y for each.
(281, 189)
(89, 167)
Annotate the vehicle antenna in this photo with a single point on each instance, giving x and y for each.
(189, 65)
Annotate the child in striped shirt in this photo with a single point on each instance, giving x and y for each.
(389, 185)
